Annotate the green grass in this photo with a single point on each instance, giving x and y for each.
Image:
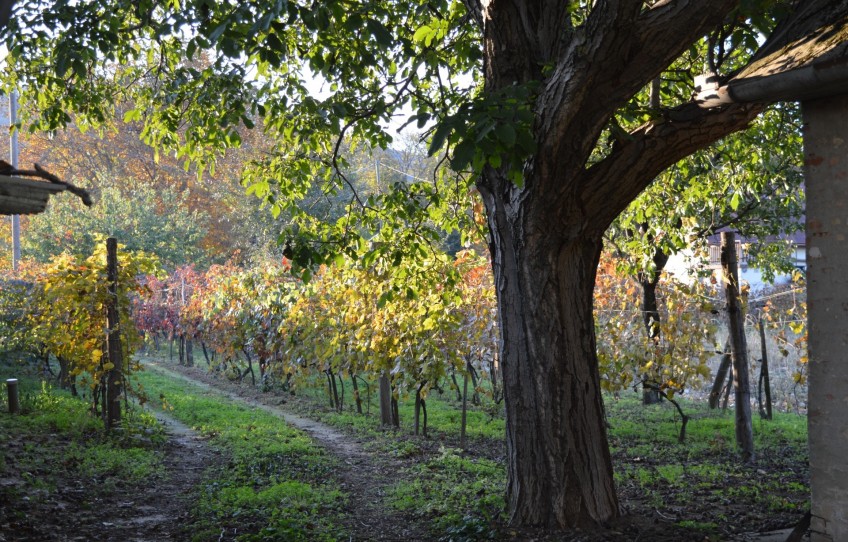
(704, 474)
(274, 483)
(700, 482)
(55, 438)
(453, 492)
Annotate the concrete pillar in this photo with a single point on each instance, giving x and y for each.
(826, 169)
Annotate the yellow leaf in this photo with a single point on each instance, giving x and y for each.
(96, 354)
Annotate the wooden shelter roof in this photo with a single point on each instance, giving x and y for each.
(804, 60)
(20, 196)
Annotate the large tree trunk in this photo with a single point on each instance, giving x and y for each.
(560, 470)
(546, 233)
(738, 347)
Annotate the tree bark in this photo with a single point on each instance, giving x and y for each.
(356, 396)
(472, 372)
(463, 421)
(395, 413)
(651, 319)
(417, 412)
(494, 373)
(424, 411)
(738, 348)
(456, 387)
(66, 380)
(559, 465)
(721, 377)
(249, 368)
(330, 391)
(189, 352)
(341, 395)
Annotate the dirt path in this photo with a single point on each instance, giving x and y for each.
(160, 511)
(363, 475)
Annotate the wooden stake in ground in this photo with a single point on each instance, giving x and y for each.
(12, 391)
(721, 377)
(114, 377)
(385, 400)
(764, 383)
(738, 347)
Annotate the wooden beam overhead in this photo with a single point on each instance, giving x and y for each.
(25, 197)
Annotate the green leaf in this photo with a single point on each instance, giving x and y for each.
(463, 154)
(132, 115)
(735, 200)
(380, 32)
(506, 134)
(438, 139)
(273, 41)
(217, 32)
(421, 33)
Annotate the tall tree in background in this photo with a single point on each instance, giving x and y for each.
(540, 134)
(155, 221)
(114, 158)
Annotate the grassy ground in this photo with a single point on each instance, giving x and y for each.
(57, 464)
(701, 484)
(270, 482)
(275, 483)
(56, 456)
(694, 490)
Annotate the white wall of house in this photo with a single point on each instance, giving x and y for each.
(684, 266)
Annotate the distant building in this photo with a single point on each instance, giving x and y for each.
(686, 265)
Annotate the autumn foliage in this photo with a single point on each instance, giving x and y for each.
(59, 309)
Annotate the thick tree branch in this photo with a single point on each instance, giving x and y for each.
(475, 10)
(529, 37)
(610, 185)
(631, 60)
(5, 12)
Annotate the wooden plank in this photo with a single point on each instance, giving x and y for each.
(24, 196)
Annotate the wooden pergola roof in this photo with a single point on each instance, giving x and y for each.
(804, 60)
(20, 196)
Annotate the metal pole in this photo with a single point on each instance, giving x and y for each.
(15, 151)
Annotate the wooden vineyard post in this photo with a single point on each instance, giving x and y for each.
(764, 383)
(114, 377)
(721, 377)
(12, 390)
(464, 412)
(738, 347)
(385, 400)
